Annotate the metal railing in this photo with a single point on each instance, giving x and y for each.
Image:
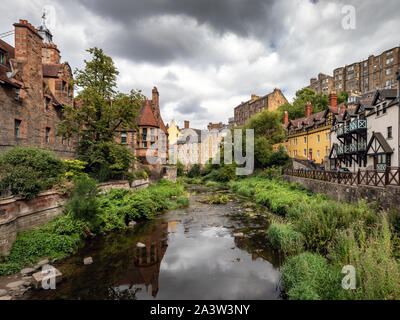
(377, 178)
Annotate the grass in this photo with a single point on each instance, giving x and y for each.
(334, 234)
(283, 237)
(63, 235)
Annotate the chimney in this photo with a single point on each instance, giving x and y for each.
(333, 100)
(286, 118)
(155, 96)
(308, 109)
(187, 123)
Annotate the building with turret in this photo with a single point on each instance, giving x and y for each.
(34, 86)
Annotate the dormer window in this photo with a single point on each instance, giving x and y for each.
(2, 57)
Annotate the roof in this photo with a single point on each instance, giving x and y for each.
(146, 116)
(190, 136)
(4, 69)
(382, 141)
(385, 93)
(51, 70)
(307, 121)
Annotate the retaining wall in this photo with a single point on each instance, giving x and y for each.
(18, 215)
(388, 197)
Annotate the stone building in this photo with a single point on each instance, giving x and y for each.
(323, 84)
(374, 73)
(34, 87)
(256, 104)
(151, 137)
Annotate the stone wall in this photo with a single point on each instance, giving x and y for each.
(170, 173)
(18, 215)
(388, 197)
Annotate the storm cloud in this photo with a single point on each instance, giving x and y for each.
(207, 56)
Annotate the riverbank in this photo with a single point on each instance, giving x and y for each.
(321, 236)
(87, 215)
(203, 251)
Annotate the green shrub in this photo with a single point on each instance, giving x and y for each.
(183, 202)
(194, 171)
(180, 169)
(27, 171)
(309, 276)
(283, 237)
(75, 169)
(218, 199)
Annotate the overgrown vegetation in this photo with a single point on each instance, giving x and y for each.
(335, 234)
(218, 199)
(89, 213)
(27, 171)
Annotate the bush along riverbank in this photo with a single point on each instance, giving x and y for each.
(88, 214)
(320, 236)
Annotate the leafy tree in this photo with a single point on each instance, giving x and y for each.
(297, 108)
(343, 96)
(101, 113)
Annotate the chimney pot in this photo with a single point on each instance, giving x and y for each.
(308, 109)
(333, 100)
(286, 118)
(187, 124)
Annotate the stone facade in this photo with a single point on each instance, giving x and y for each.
(375, 73)
(270, 102)
(34, 86)
(387, 197)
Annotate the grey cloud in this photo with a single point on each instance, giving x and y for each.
(191, 107)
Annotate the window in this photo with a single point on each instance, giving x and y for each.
(123, 138)
(389, 60)
(69, 141)
(378, 109)
(152, 136)
(384, 107)
(48, 135)
(389, 71)
(318, 138)
(389, 133)
(318, 154)
(2, 58)
(305, 139)
(63, 140)
(64, 85)
(17, 94)
(17, 128)
(305, 152)
(47, 104)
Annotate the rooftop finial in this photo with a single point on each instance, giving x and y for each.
(43, 30)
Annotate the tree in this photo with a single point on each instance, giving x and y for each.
(343, 97)
(101, 113)
(268, 130)
(297, 108)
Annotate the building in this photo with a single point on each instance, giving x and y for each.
(173, 133)
(308, 138)
(152, 135)
(367, 136)
(323, 84)
(374, 73)
(214, 126)
(256, 104)
(34, 87)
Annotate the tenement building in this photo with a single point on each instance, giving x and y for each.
(34, 87)
(375, 73)
(256, 104)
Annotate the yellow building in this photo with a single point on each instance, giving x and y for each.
(308, 138)
(173, 133)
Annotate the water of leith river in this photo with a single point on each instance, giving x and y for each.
(190, 254)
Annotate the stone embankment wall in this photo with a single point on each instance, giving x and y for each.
(18, 215)
(387, 197)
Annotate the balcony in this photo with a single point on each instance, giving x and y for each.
(358, 125)
(352, 148)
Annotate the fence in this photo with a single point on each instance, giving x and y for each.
(391, 176)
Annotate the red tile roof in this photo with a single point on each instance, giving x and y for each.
(146, 116)
(51, 70)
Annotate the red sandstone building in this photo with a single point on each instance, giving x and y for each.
(34, 86)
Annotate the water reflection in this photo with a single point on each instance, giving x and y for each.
(187, 255)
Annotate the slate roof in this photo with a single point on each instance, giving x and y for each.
(146, 116)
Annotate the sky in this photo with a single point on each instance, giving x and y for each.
(207, 56)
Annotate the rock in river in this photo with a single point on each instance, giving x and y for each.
(87, 261)
(140, 245)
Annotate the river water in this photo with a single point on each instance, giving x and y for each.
(190, 254)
